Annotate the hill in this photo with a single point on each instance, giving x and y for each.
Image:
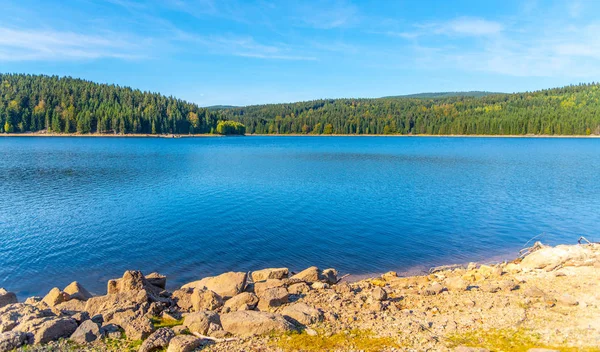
(445, 95)
(31, 103)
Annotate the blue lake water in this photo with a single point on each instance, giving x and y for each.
(87, 209)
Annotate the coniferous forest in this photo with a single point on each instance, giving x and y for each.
(31, 103)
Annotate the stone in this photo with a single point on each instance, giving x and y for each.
(489, 287)
(248, 323)
(225, 285)
(273, 297)
(550, 258)
(302, 313)
(157, 280)
(456, 283)
(132, 280)
(390, 275)
(244, 300)
(80, 317)
(308, 275)
(55, 297)
(183, 298)
(379, 294)
(533, 292)
(48, 329)
(319, 285)
(567, 300)
(33, 300)
(111, 331)
(11, 340)
(329, 276)
(270, 273)
(76, 291)
(16, 313)
(343, 288)
(260, 287)
(184, 343)
(180, 329)
(109, 304)
(433, 289)
(7, 298)
(158, 340)
(205, 300)
(299, 289)
(200, 322)
(70, 307)
(470, 349)
(135, 324)
(98, 319)
(87, 332)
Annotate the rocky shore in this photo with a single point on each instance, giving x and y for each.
(547, 300)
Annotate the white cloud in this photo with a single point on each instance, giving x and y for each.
(472, 27)
(22, 45)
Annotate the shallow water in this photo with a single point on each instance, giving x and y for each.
(87, 209)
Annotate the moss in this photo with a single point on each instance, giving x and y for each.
(504, 340)
(159, 322)
(355, 340)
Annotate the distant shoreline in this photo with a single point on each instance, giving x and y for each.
(141, 135)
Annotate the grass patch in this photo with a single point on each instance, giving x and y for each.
(354, 340)
(159, 322)
(505, 340)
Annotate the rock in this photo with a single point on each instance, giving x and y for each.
(311, 332)
(180, 329)
(550, 258)
(17, 313)
(247, 323)
(134, 323)
(98, 319)
(567, 300)
(184, 343)
(489, 287)
(70, 307)
(390, 275)
(157, 280)
(541, 350)
(244, 300)
(113, 303)
(302, 313)
(379, 294)
(205, 300)
(33, 300)
(308, 275)
(273, 297)
(260, 287)
(133, 281)
(456, 283)
(12, 340)
(225, 285)
(111, 331)
(512, 268)
(48, 329)
(433, 289)
(7, 298)
(76, 291)
(200, 322)
(298, 289)
(343, 288)
(270, 273)
(80, 317)
(533, 292)
(55, 296)
(470, 349)
(87, 332)
(158, 340)
(329, 276)
(319, 285)
(183, 298)
(508, 285)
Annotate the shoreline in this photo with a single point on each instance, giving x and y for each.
(143, 135)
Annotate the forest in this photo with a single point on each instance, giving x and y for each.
(33, 103)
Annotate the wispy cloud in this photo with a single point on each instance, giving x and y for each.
(23, 45)
(327, 14)
(462, 26)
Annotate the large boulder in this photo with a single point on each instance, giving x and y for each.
(183, 298)
(309, 275)
(298, 289)
(158, 340)
(205, 300)
(55, 297)
(7, 298)
(157, 280)
(550, 258)
(243, 301)
(261, 287)
(87, 332)
(225, 285)
(17, 313)
(48, 329)
(76, 291)
(201, 322)
(133, 281)
(108, 305)
(329, 276)
(273, 297)
(270, 273)
(248, 322)
(135, 324)
(184, 343)
(302, 313)
(11, 340)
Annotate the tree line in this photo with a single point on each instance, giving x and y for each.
(31, 103)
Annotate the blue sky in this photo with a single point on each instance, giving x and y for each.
(250, 52)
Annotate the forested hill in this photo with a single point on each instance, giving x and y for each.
(30, 103)
(444, 95)
(571, 110)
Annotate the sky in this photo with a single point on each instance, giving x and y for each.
(243, 52)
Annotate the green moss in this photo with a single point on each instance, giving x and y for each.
(355, 340)
(159, 322)
(504, 340)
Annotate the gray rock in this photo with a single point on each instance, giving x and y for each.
(158, 340)
(12, 340)
(17, 313)
(111, 331)
(80, 317)
(87, 332)
(7, 298)
(247, 323)
(134, 323)
(184, 343)
(48, 329)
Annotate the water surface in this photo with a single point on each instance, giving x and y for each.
(87, 209)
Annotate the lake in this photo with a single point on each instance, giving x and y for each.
(87, 209)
